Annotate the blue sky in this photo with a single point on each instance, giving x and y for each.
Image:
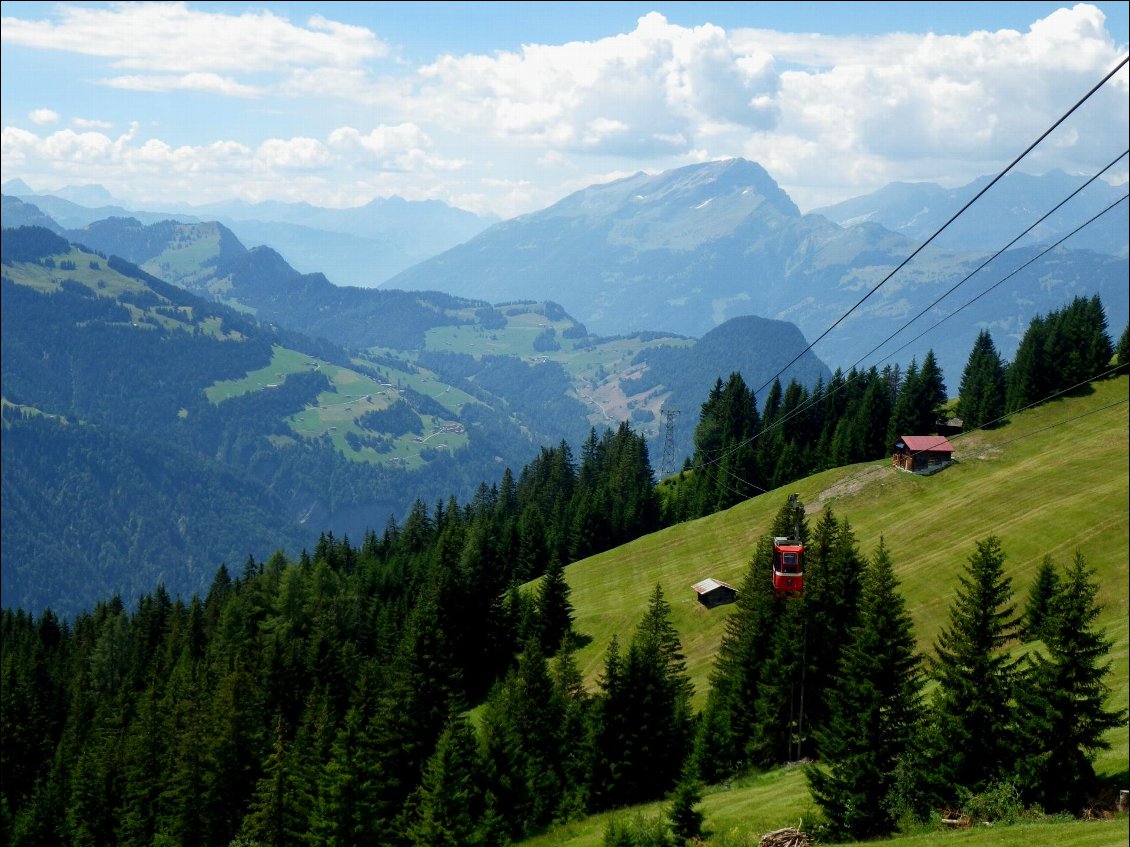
(504, 108)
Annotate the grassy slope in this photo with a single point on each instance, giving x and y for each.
(1043, 485)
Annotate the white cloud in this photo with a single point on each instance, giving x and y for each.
(90, 123)
(859, 112)
(644, 93)
(43, 116)
(509, 132)
(171, 38)
(206, 82)
(296, 153)
(402, 147)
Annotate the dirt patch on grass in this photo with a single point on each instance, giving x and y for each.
(851, 484)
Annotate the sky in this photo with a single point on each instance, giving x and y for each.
(505, 108)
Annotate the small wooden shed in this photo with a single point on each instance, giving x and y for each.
(713, 592)
(923, 454)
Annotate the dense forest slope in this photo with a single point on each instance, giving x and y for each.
(312, 697)
(150, 434)
(152, 397)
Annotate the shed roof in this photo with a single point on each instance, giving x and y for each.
(709, 584)
(919, 443)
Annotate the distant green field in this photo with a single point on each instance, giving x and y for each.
(1053, 481)
(590, 368)
(188, 257)
(515, 339)
(92, 271)
(283, 362)
(101, 279)
(352, 394)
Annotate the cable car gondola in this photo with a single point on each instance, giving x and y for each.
(788, 561)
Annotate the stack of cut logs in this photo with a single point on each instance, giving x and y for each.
(787, 837)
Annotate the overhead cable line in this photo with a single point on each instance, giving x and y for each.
(805, 406)
(966, 304)
(1039, 402)
(953, 218)
(997, 254)
(1004, 417)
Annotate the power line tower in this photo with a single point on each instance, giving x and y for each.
(667, 466)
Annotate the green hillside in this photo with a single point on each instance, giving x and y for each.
(739, 813)
(1052, 481)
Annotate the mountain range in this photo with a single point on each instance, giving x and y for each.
(687, 249)
(361, 246)
(916, 210)
(144, 423)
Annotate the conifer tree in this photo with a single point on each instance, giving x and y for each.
(833, 586)
(344, 812)
(1063, 714)
(933, 393)
(1027, 375)
(554, 610)
(975, 675)
(982, 392)
(874, 708)
(684, 815)
(1122, 351)
(451, 802)
(278, 816)
(1041, 596)
(904, 420)
(643, 721)
(609, 729)
(576, 751)
(729, 715)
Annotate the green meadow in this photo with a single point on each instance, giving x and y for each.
(1053, 481)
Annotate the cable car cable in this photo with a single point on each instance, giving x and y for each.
(809, 404)
(954, 217)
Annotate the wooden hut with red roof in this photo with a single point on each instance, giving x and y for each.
(924, 454)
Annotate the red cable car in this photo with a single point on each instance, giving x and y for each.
(788, 560)
(788, 568)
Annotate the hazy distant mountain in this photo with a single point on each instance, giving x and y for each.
(18, 213)
(361, 246)
(687, 249)
(357, 246)
(918, 209)
(90, 195)
(16, 187)
(72, 215)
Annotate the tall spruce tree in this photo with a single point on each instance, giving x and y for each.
(643, 717)
(728, 718)
(975, 675)
(874, 707)
(1041, 597)
(451, 800)
(1063, 696)
(903, 415)
(554, 610)
(1122, 351)
(279, 814)
(982, 392)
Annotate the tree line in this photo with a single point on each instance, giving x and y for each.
(741, 450)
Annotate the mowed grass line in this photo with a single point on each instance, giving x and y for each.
(1050, 482)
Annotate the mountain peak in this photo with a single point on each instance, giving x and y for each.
(17, 187)
(677, 209)
(91, 195)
